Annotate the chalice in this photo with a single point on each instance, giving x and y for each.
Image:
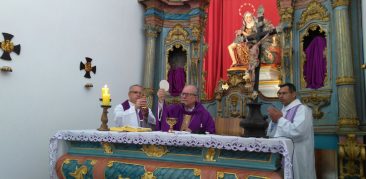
(171, 122)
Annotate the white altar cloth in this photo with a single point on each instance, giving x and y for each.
(283, 146)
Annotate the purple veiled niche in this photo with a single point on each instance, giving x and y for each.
(315, 66)
(176, 74)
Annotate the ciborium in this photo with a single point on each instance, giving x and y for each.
(171, 122)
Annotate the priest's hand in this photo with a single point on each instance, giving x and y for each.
(161, 95)
(141, 102)
(274, 114)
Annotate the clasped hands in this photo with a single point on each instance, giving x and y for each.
(274, 114)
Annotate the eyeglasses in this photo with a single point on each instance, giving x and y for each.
(135, 92)
(282, 93)
(187, 94)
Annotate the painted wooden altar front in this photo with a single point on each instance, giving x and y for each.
(101, 154)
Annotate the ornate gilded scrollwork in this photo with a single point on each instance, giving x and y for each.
(337, 3)
(351, 158)
(348, 122)
(196, 33)
(80, 172)
(316, 101)
(197, 172)
(154, 151)
(221, 175)
(149, 92)
(107, 147)
(287, 14)
(210, 155)
(152, 30)
(347, 80)
(178, 33)
(314, 11)
(148, 175)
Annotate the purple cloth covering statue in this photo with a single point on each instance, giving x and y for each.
(177, 80)
(201, 120)
(315, 66)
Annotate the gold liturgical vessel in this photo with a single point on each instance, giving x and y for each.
(171, 122)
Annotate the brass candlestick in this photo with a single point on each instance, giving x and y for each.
(104, 118)
(171, 122)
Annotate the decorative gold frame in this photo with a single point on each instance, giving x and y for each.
(351, 152)
(314, 11)
(177, 37)
(221, 175)
(154, 150)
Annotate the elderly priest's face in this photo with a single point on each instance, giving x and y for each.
(134, 93)
(189, 96)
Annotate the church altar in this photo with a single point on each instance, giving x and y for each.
(222, 152)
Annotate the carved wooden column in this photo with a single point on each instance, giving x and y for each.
(286, 11)
(348, 120)
(151, 32)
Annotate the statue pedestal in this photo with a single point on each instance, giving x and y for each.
(254, 124)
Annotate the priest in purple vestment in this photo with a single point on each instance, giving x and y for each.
(191, 114)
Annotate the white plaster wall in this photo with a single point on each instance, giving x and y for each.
(45, 92)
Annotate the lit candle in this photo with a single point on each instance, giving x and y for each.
(106, 99)
(105, 90)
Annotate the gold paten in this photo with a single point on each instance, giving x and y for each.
(316, 101)
(346, 80)
(154, 151)
(352, 154)
(337, 3)
(314, 11)
(7, 46)
(79, 173)
(148, 175)
(210, 155)
(107, 147)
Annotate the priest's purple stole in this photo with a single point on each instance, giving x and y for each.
(291, 113)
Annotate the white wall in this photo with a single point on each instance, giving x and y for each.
(45, 92)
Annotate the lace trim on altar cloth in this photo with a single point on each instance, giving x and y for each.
(277, 145)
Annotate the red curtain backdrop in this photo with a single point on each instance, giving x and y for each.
(223, 20)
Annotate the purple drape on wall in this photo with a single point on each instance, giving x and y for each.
(315, 66)
(177, 80)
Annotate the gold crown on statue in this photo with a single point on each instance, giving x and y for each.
(246, 7)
